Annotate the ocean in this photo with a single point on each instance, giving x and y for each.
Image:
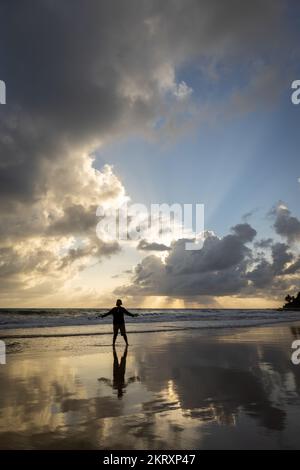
(63, 321)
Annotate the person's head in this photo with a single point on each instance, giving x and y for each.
(119, 303)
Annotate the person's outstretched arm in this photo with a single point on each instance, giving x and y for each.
(105, 314)
(130, 314)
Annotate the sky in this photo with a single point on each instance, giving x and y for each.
(149, 102)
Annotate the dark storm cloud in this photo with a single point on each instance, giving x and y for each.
(224, 266)
(219, 268)
(78, 75)
(293, 268)
(264, 243)
(98, 249)
(244, 232)
(285, 224)
(216, 255)
(75, 72)
(275, 272)
(265, 272)
(281, 256)
(76, 218)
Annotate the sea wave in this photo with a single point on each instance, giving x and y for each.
(82, 322)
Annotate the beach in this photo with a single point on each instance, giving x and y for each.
(209, 388)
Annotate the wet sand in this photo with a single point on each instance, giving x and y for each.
(172, 390)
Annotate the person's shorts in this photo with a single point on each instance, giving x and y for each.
(121, 327)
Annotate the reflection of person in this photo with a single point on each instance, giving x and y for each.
(119, 370)
(118, 320)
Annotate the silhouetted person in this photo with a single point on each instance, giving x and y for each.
(118, 382)
(118, 320)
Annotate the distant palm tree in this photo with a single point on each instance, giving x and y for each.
(288, 298)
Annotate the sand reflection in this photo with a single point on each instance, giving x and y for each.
(188, 390)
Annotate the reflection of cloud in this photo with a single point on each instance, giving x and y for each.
(215, 380)
(192, 388)
(46, 399)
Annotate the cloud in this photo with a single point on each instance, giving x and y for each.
(265, 272)
(144, 245)
(285, 224)
(264, 243)
(219, 268)
(244, 232)
(225, 266)
(293, 268)
(218, 254)
(75, 82)
(248, 215)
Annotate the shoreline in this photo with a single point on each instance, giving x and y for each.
(6, 336)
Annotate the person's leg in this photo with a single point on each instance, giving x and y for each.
(123, 333)
(114, 338)
(125, 339)
(115, 334)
